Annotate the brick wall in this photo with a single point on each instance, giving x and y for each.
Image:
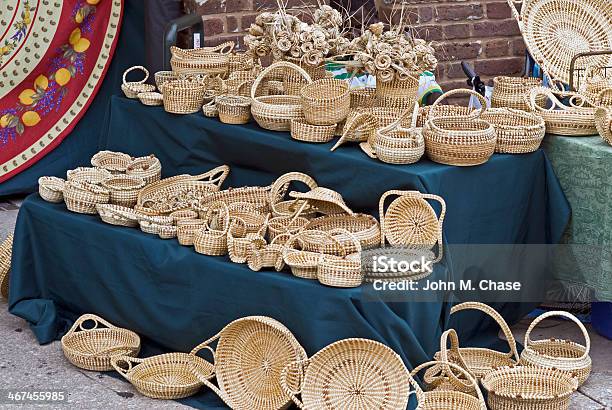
(481, 32)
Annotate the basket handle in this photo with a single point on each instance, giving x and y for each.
(535, 92)
(222, 207)
(215, 176)
(97, 320)
(136, 67)
(436, 372)
(566, 315)
(494, 314)
(359, 120)
(279, 64)
(351, 236)
(224, 48)
(115, 362)
(440, 223)
(299, 366)
(280, 186)
(395, 124)
(475, 114)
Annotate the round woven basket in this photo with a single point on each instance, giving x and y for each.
(6, 253)
(51, 189)
(183, 96)
(561, 119)
(147, 168)
(510, 92)
(212, 240)
(349, 374)
(88, 174)
(250, 355)
(186, 230)
(362, 97)
(294, 81)
(518, 132)
(399, 94)
(151, 98)
(603, 122)
(240, 243)
(118, 215)
(459, 140)
(132, 88)
(113, 162)
(395, 144)
(167, 376)
(364, 227)
(305, 132)
(275, 112)
(162, 76)
(252, 220)
(525, 387)
(82, 197)
(556, 353)
(123, 189)
(210, 109)
(342, 271)
(93, 347)
(233, 109)
(326, 101)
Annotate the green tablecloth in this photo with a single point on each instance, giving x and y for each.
(584, 168)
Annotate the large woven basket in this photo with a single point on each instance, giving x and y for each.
(132, 88)
(356, 374)
(51, 189)
(82, 197)
(562, 119)
(258, 197)
(459, 140)
(93, 347)
(559, 354)
(211, 61)
(532, 388)
(167, 376)
(275, 112)
(183, 96)
(123, 189)
(509, 92)
(233, 109)
(148, 168)
(395, 144)
(603, 122)
(113, 162)
(399, 94)
(250, 355)
(6, 253)
(326, 101)
(518, 132)
(556, 30)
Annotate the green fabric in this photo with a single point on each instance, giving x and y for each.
(584, 168)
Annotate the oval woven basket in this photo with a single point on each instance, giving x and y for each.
(518, 132)
(132, 88)
(207, 60)
(118, 215)
(395, 144)
(123, 189)
(82, 197)
(258, 197)
(275, 112)
(183, 96)
(603, 122)
(113, 162)
(304, 264)
(148, 168)
(6, 253)
(305, 132)
(510, 92)
(342, 271)
(250, 355)
(364, 227)
(233, 109)
(93, 348)
(167, 376)
(557, 353)
(162, 76)
(459, 140)
(326, 101)
(211, 240)
(88, 174)
(268, 256)
(349, 374)
(524, 387)
(51, 189)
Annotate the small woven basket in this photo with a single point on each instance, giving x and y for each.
(305, 132)
(459, 140)
(123, 189)
(285, 224)
(279, 189)
(398, 94)
(558, 354)
(240, 243)
(154, 224)
(93, 348)
(82, 197)
(51, 189)
(6, 253)
(183, 96)
(275, 112)
(561, 119)
(326, 101)
(510, 92)
(212, 240)
(151, 98)
(186, 230)
(518, 132)
(525, 387)
(88, 174)
(596, 88)
(603, 122)
(113, 162)
(118, 215)
(339, 271)
(253, 220)
(240, 62)
(162, 76)
(233, 109)
(131, 89)
(250, 355)
(304, 264)
(167, 376)
(147, 168)
(268, 256)
(183, 214)
(395, 144)
(349, 374)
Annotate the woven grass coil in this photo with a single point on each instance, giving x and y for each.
(6, 253)
(51, 189)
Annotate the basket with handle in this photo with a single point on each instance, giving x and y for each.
(564, 355)
(518, 132)
(526, 387)
(364, 227)
(282, 207)
(250, 354)
(82, 197)
(212, 240)
(443, 399)
(269, 255)
(301, 130)
(51, 189)
(148, 168)
(410, 221)
(342, 271)
(509, 92)
(561, 119)
(348, 374)
(168, 376)
(275, 112)
(604, 98)
(233, 109)
(395, 144)
(326, 101)
(92, 348)
(479, 361)
(303, 263)
(118, 215)
(123, 189)
(459, 140)
(113, 162)
(254, 221)
(240, 241)
(594, 84)
(285, 224)
(6, 252)
(208, 60)
(257, 197)
(603, 122)
(186, 229)
(210, 109)
(132, 88)
(183, 96)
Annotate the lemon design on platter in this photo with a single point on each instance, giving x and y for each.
(26, 96)
(75, 36)
(62, 76)
(4, 120)
(93, 2)
(81, 45)
(30, 118)
(41, 82)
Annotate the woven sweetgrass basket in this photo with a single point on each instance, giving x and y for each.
(186, 229)
(395, 144)
(603, 122)
(252, 220)
(249, 357)
(305, 132)
(349, 374)
(525, 387)
(93, 347)
(285, 224)
(51, 189)
(183, 214)
(148, 168)
(123, 189)
(167, 376)
(258, 197)
(113, 162)
(132, 88)
(212, 240)
(269, 256)
(118, 215)
(304, 263)
(342, 271)
(279, 189)
(509, 92)
(233, 109)
(240, 243)
(326, 101)
(293, 81)
(151, 98)
(564, 355)
(82, 197)
(207, 60)
(162, 76)
(364, 227)
(183, 96)
(92, 175)
(518, 132)
(398, 94)
(362, 97)
(6, 252)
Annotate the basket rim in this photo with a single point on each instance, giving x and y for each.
(518, 371)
